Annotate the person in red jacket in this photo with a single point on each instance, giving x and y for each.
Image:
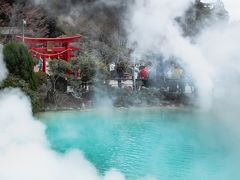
(144, 75)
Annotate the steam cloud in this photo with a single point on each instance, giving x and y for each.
(154, 29)
(24, 149)
(213, 60)
(152, 26)
(232, 7)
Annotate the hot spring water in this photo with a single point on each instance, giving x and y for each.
(158, 144)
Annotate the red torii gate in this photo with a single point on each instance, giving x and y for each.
(52, 48)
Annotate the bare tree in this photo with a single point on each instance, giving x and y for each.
(14, 14)
(5, 9)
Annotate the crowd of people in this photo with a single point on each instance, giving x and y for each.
(166, 75)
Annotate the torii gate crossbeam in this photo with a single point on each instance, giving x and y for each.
(53, 48)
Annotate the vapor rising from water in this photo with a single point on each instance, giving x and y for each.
(153, 29)
(232, 7)
(212, 59)
(24, 150)
(220, 46)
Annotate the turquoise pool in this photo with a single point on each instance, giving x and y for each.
(150, 143)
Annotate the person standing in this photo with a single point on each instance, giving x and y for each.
(135, 76)
(178, 74)
(144, 75)
(112, 70)
(120, 74)
(40, 64)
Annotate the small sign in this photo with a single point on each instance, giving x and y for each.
(50, 46)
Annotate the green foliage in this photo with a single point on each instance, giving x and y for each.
(16, 82)
(21, 75)
(102, 71)
(58, 67)
(87, 66)
(58, 71)
(41, 78)
(19, 63)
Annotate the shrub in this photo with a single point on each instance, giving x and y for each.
(87, 66)
(16, 82)
(41, 78)
(19, 63)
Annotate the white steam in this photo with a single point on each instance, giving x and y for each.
(153, 28)
(220, 47)
(25, 153)
(233, 6)
(213, 59)
(40, 2)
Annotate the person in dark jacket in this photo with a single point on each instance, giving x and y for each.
(120, 74)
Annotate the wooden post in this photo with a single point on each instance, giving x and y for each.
(68, 51)
(44, 64)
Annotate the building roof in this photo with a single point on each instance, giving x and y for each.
(44, 40)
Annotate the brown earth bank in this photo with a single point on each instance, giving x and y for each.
(116, 97)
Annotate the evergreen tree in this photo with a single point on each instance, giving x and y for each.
(19, 63)
(201, 15)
